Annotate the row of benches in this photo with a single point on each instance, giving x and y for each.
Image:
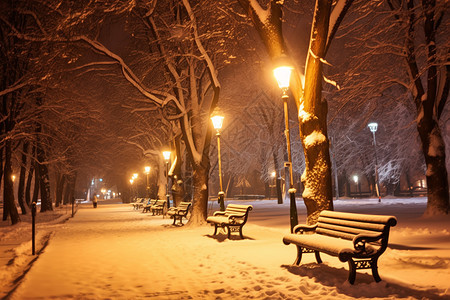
(358, 239)
(158, 207)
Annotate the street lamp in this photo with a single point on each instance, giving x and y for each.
(373, 128)
(283, 75)
(217, 123)
(166, 155)
(147, 171)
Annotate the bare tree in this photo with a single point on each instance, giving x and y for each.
(408, 41)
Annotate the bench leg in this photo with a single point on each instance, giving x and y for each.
(215, 229)
(240, 232)
(299, 256)
(319, 260)
(351, 271)
(229, 231)
(174, 219)
(374, 266)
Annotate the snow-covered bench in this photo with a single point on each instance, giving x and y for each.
(233, 218)
(146, 207)
(138, 203)
(158, 207)
(179, 212)
(359, 239)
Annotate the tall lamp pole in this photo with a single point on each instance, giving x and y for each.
(217, 123)
(147, 171)
(373, 128)
(166, 155)
(283, 76)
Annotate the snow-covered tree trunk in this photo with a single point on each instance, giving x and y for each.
(313, 120)
(312, 108)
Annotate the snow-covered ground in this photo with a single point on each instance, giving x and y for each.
(114, 252)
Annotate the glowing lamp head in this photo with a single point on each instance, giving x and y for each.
(166, 155)
(273, 174)
(373, 126)
(135, 175)
(283, 76)
(131, 180)
(147, 169)
(355, 178)
(217, 122)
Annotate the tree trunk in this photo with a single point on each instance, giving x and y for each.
(9, 205)
(178, 183)
(436, 174)
(44, 178)
(36, 183)
(29, 181)
(60, 179)
(312, 119)
(23, 171)
(201, 192)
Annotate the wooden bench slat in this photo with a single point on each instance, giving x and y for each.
(353, 224)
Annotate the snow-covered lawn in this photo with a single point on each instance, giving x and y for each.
(114, 252)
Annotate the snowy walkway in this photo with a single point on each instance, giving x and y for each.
(113, 252)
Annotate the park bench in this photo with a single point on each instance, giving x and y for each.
(179, 212)
(158, 207)
(146, 207)
(137, 203)
(233, 218)
(359, 239)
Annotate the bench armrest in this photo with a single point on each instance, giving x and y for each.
(302, 228)
(219, 213)
(359, 241)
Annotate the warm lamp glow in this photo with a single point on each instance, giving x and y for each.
(355, 178)
(13, 178)
(373, 126)
(135, 175)
(166, 155)
(131, 180)
(147, 169)
(283, 76)
(217, 122)
(273, 174)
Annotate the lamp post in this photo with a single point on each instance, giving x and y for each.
(147, 171)
(283, 76)
(217, 123)
(373, 128)
(166, 155)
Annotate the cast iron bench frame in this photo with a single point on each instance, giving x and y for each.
(233, 218)
(359, 239)
(179, 212)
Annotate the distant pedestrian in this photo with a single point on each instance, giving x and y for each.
(94, 201)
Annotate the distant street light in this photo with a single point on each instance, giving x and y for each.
(373, 128)
(358, 189)
(147, 171)
(217, 123)
(283, 76)
(166, 155)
